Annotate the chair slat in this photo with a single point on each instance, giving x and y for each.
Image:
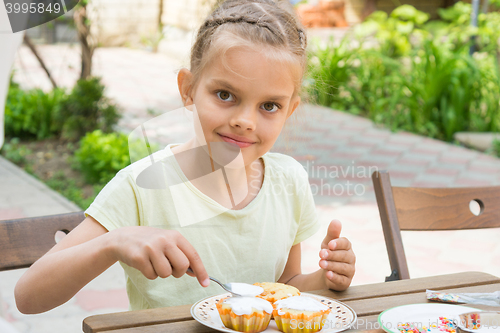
(23, 241)
(446, 208)
(411, 208)
(390, 226)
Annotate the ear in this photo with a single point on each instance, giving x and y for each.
(294, 103)
(184, 82)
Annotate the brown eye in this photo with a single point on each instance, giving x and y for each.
(224, 95)
(270, 107)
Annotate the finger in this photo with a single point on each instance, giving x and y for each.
(147, 270)
(338, 256)
(178, 261)
(194, 261)
(338, 268)
(337, 281)
(144, 265)
(190, 272)
(333, 232)
(160, 264)
(341, 243)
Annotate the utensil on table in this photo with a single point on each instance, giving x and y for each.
(237, 289)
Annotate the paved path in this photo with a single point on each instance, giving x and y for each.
(338, 150)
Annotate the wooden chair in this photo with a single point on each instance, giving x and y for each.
(412, 208)
(23, 241)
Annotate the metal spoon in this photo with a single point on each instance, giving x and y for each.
(230, 286)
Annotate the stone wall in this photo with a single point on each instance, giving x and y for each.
(123, 22)
(126, 22)
(186, 14)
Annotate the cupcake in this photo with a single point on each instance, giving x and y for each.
(300, 314)
(245, 314)
(274, 291)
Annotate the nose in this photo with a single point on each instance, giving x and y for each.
(244, 118)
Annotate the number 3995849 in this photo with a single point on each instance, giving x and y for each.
(33, 8)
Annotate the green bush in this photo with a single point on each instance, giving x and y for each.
(37, 114)
(87, 109)
(496, 147)
(72, 189)
(15, 152)
(32, 113)
(101, 156)
(393, 33)
(413, 75)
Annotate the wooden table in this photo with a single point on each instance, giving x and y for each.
(368, 301)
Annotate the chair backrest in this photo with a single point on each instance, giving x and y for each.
(417, 208)
(23, 241)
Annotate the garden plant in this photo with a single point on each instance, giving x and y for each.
(412, 74)
(72, 133)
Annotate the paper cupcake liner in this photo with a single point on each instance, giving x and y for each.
(255, 322)
(300, 323)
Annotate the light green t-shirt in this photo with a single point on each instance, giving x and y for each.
(247, 245)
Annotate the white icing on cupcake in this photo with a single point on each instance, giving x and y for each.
(245, 289)
(244, 305)
(300, 303)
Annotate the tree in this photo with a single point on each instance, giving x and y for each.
(87, 40)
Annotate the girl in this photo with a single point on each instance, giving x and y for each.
(246, 69)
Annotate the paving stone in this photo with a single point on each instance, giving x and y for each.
(402, 175)
(381, 159)
(367, 144)
(397, 146)
(454, 160)
(90, 300)
(478, 176)
(377, 134)
(371, 166)
(451, 166)
(11, 213)
(471, 182)
(405, 137)
(415, 167)
(485, 161)
(443, 171)
(491, 169)
(425, 151)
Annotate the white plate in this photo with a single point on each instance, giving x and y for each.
(424, 314)
(340, 318)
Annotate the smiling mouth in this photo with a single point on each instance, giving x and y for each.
(241, 144)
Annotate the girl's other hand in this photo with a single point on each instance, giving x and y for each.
(337, 258)
(158, 253)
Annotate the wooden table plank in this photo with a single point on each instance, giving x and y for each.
(113, 321)
(400, 287)
(366, 324)
(191, 326)
(375, 306)
(367, 300)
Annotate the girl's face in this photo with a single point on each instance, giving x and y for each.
(244, 103)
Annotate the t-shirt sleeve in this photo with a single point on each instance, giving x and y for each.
(308, 216)
(118, 204)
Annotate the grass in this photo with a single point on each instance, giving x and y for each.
(50, 162)
(496, 147)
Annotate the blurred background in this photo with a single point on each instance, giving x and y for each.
(411, 87)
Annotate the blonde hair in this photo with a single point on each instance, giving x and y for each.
(266, 25)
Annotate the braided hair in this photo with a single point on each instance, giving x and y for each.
(266, 24)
